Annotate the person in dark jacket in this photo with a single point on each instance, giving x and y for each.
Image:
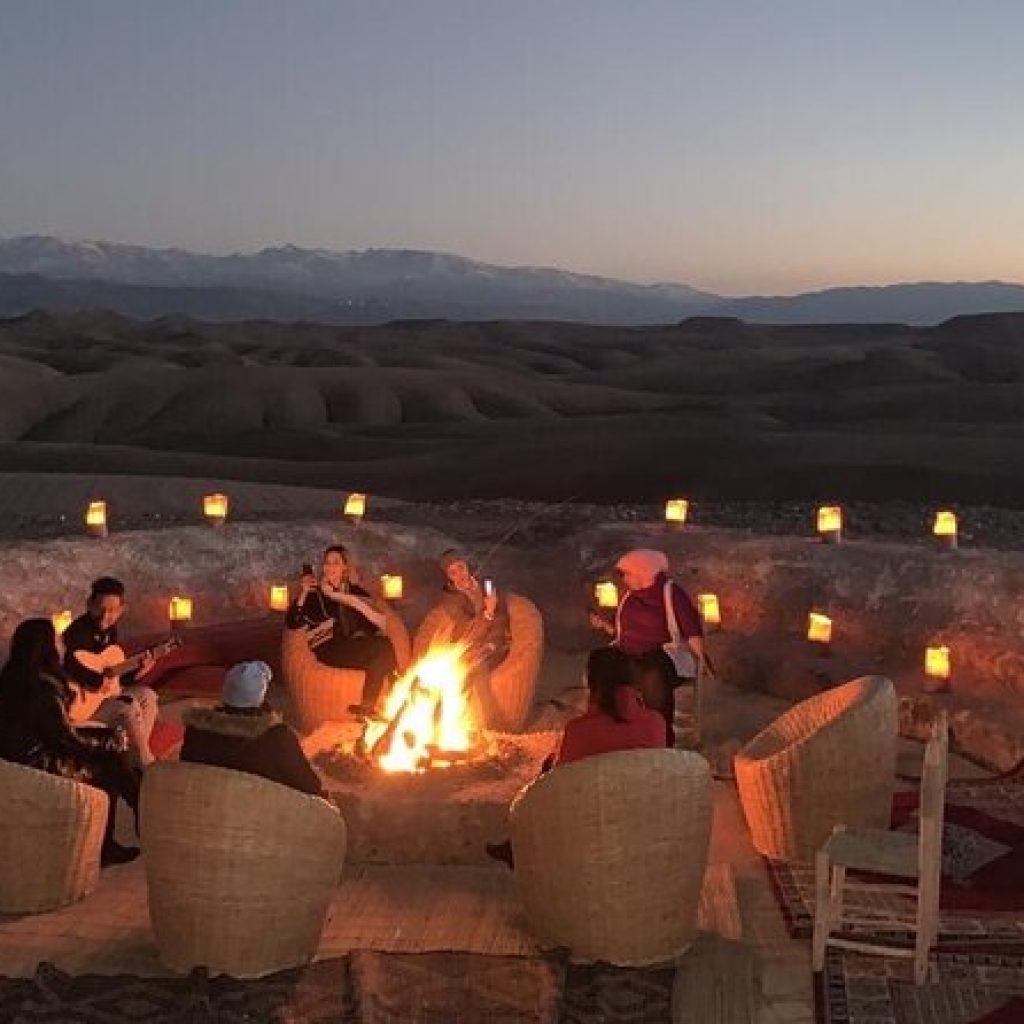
(642, 629)
(35, 729)
(244, 734)
(357, 638)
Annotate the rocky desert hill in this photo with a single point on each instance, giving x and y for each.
(711, 407)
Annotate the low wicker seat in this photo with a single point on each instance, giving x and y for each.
(827, 761)
(510, 690)
(321, 693)
(50, 841)
(240, 870)
(610, 854)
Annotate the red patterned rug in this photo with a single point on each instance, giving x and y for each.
(962, 988)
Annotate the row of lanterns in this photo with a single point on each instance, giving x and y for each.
(215, 509)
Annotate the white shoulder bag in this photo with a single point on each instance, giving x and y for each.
(677, 649)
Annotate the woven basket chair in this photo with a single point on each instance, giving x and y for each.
(512, 684)
(827, 761)
(50, 841)
(240, 870)
(610, 854)
(320, 693)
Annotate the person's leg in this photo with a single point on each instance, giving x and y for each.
(129, 714)
(118, 781)
(374, 655)
(654, 678)
(147, 705)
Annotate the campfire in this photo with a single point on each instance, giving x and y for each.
(430, 719)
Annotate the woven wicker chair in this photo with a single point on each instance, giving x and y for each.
(610, 854)
(323, 694)
(240, 870)
(50, 842)
(827, 761)
(509, 692)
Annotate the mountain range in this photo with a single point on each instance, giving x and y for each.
(288, 283)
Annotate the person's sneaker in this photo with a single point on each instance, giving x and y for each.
(114, 853)
(501, 852)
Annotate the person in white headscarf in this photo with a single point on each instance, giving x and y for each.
(658, 627)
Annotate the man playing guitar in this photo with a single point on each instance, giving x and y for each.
(118, 698)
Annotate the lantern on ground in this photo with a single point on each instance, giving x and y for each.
(710, 613)
(96, 519)
(391, 587)
(936, 667)
(606, 594)
(279, 598)
(676, 510)
(945, 528)
(830, 524)
(819, 628)
(61, 620)
(215, 508)
(355, 507)
(180, 611)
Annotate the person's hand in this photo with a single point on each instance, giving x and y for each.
(307, 584)
(111, 686)
(146, 665)
(490, 605)
(119, 739)
(598, 621)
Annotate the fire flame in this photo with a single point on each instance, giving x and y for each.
(429, 721)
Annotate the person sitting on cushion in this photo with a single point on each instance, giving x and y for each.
(244, 734)
(614, 720)
(358, 640)
(36, 730)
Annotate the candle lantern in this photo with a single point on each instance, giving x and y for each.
(710, 613)
(279, 599)
(936, 668)
(96, 519)
(215, 508)
(180, 611)
(355, 506)
(676, 510)
(61, 620)
(819, 628)
(830, 524)
(606, 593)
(945, 528)
(391, 587)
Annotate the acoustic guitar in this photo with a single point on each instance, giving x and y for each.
(111, 663)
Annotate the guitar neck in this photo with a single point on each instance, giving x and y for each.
(132, 663)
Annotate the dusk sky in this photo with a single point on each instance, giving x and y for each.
(739, 147)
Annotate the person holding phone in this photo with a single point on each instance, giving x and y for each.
(478, 615)
(347, 629)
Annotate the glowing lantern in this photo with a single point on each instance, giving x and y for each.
(606, 594)
(391, 587)
(215, 508)
(355, 506)
(279, 599)
(945, 528)
(819, 628)
(830, 524)
(710, 613)
(61, 621)
(180, 610)
(676, 510)
(96, 519)
(936, 667)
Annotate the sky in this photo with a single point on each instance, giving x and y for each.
(761, 147)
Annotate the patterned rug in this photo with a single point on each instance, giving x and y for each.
(983, 872)
(364, 988)
(962, 988)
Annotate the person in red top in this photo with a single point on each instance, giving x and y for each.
(641, 629)
(615, 720)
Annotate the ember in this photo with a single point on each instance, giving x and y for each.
(429, 718)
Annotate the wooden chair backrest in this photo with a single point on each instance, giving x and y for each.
(933, 799)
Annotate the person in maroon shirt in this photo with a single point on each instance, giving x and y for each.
(641, 629)
(615, 720)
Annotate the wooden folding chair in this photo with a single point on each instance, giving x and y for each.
(901, 854)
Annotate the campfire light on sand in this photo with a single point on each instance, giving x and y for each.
(429, 720)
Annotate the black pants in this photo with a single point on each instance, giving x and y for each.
(373, 654)
(655, 677)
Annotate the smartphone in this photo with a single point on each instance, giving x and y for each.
(488, 587)
(307, 569)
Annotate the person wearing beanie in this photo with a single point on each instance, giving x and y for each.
(244, 734)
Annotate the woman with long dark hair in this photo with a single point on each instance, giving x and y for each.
(35, 729)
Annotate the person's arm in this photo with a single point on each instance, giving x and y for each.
(76, 638)
(687, 616)
(293, 765)
(359, 601)
(56, 731)
(298, 614)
